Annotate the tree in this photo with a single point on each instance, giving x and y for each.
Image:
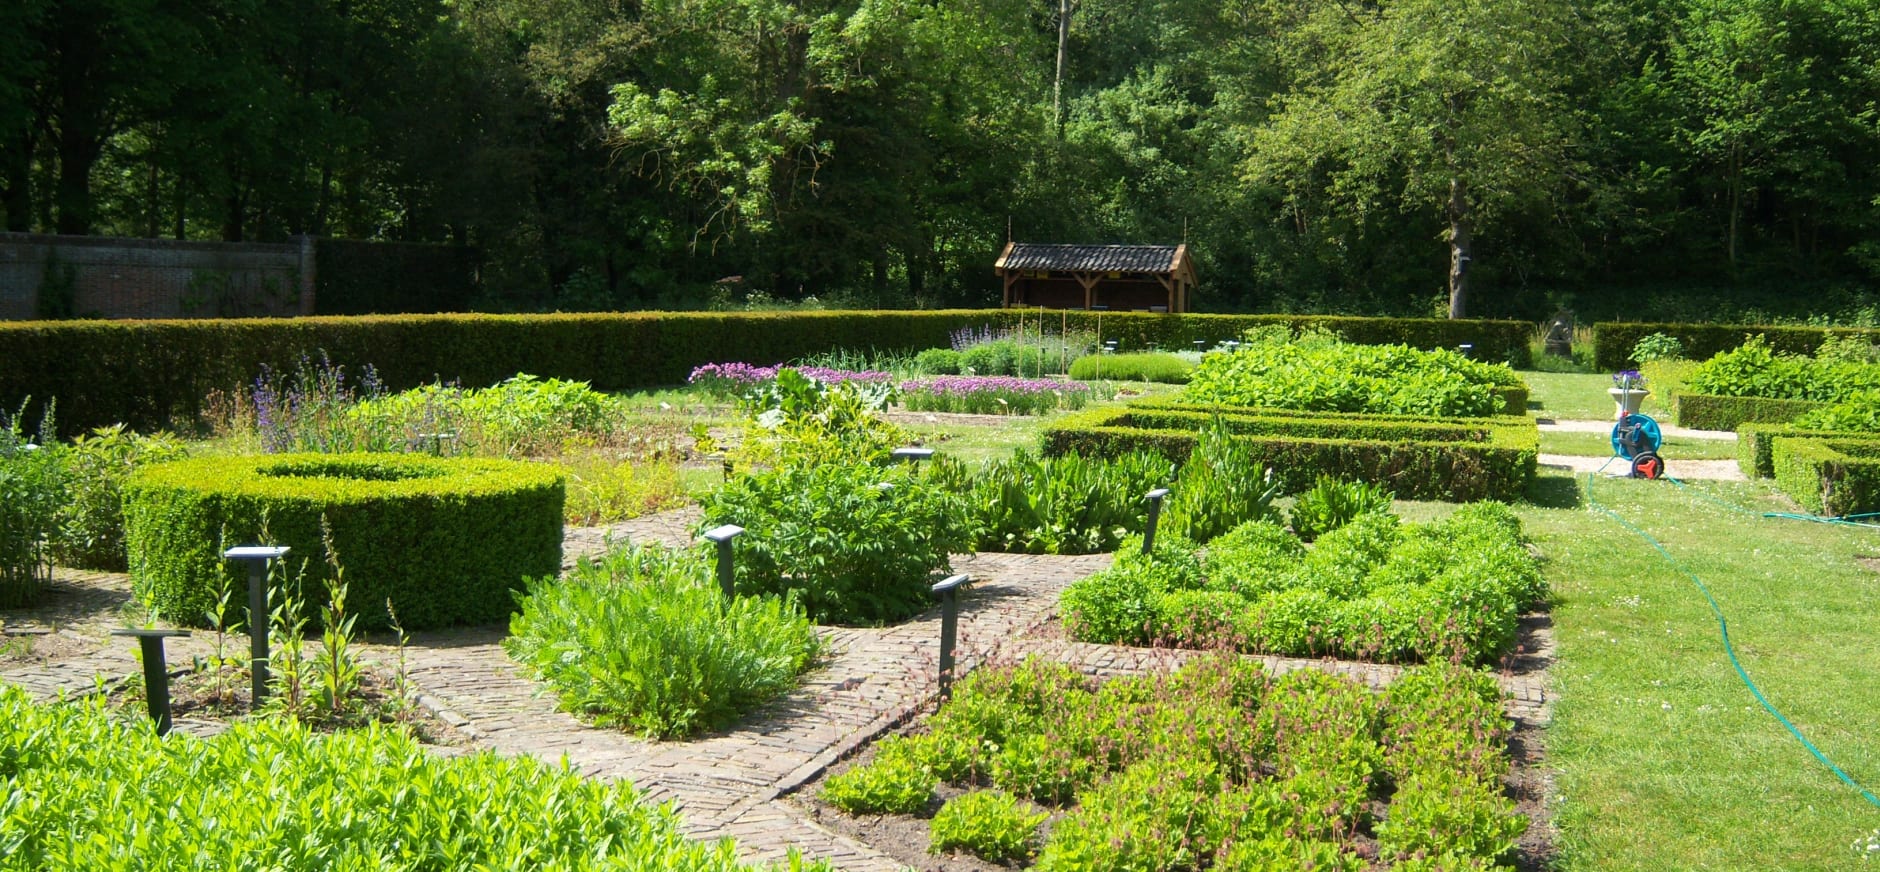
(1451, 107)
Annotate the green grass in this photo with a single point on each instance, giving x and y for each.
(1600, 445)
(1580, 397)
(1664, 759)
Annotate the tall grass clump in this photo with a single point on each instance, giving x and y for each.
(644, 639)
(1145, 366)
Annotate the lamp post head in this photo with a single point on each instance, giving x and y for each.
(725, 533)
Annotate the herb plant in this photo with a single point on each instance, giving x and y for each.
(989, 824)
(643, 638)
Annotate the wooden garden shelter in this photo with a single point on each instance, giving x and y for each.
(1152, 278)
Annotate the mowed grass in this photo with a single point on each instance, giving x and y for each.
(1600, 445)
(1664, 758)
(1577, 396)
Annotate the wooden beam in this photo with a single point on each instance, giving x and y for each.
(1090, 285)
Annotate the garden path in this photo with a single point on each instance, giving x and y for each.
(729, 783)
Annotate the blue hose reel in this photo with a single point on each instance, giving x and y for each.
(1636, 438)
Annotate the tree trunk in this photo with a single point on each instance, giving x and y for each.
(16, 190)
(1057, 87)
(1460, 241)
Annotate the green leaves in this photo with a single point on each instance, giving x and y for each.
(643, 638)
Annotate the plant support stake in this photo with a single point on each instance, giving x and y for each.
(1155, 511)
(156, 673)
(727, 580)
(257, 557)
(949, 593)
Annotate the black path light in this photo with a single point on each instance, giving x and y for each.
(156, 672)
(257, 557)
(436, 440)
(1154, 498)
(949, 593)
(727, 580)
(912, 454)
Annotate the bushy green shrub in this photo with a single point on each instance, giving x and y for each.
(1754, 369)
(1122, 604)
(1657, 346)
(798, 420)
(894, 782)
(32, 493)
(449, 540)
(91, 523)
(989, 824)
(518, 416)
(88, 792)
(1220, 486)
(1146, 366)
(1857, 414)
(644, 639)
(1436, 812)
(1316, 372)
(1332, 503)
(1152, 817)
(1057, 505)
(851, 550)
(937, 361)
(998, 357)
(1254, 559)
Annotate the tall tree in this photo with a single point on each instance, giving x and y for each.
(1451, 107)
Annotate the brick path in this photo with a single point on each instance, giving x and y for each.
(728, 783)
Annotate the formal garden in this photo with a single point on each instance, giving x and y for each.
(936, 590)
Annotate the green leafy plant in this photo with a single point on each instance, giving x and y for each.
(937, 361)
(1332, 503)
(1657, 346)
(857, 544)
(1058, 505)
(91, 523)
(894, 782)
(1317, 372)
(1220, 486)
(643, 638)
(32, 493)
(990, 824)
(310, 802)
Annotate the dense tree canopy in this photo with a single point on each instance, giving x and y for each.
(1498, 157)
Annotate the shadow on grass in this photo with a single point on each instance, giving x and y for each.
(1554, 492)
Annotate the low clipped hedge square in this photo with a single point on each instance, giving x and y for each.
(447, 540)
(1418, 458)
(1829, 476)
(1755, 443)
(1708, 412)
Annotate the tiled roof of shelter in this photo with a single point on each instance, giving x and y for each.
(1091, 258)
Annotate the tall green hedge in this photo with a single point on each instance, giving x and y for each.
(1613, 341)
(1707, 412)
(446, 539)
(1829, 476)
(1456, 459)
(150, 374)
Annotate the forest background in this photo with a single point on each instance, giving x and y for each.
(1686, 159)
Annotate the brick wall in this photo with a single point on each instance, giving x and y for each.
(86, 276)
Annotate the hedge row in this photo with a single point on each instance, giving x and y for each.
(447, 540)
(1829, 476)
(1456, 459)
(1709, 412)
(1755, 443)
(150, 374)
(1613, 341)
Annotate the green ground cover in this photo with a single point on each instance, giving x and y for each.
(1600, 445)
(1664, 759)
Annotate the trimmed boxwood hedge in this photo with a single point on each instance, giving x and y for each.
(1829, 476)
(150, 374)
(1456, 459)
(446, 539)
(1613, 341)
(1710, 412)
(1755, 443)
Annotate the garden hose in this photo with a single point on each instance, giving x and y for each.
(1723, 627)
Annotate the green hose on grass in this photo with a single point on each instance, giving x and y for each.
(1723, 627)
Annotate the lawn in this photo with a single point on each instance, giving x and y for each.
(1600, 445)
(1580, 397)
(1664, 758)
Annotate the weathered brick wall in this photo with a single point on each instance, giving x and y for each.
(108, 277)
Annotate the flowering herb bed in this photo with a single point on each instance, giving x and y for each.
(992, 395)
(1217, 766)
(734, 379)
